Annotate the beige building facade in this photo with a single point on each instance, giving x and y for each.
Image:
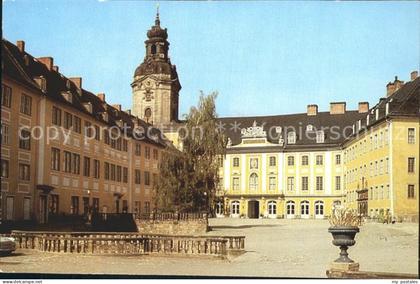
(66, 151)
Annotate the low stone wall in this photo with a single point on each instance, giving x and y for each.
(129, 243)
(173, 223)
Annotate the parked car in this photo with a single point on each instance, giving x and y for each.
(7, 245)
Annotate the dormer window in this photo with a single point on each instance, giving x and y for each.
(309, 127)
(88, 107)
(291, 137)
(320, 137)
(67, 96)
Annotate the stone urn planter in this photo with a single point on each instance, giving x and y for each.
(344, 227)
(343, 237)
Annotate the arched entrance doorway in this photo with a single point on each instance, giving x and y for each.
(253, 209)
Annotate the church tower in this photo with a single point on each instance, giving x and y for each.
(156, 84)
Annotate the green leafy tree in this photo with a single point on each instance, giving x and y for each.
(189, 178)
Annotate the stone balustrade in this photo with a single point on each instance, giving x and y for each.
(128, 243)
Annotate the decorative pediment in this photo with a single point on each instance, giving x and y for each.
(253, 132)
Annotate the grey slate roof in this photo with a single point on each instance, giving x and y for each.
(15, 67)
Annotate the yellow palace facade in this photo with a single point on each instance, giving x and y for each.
(304, 165)
(286, 166)
(381, 157)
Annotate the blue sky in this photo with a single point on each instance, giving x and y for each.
(263, 58)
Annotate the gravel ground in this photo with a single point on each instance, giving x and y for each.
(279, 248)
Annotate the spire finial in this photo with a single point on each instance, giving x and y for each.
(157, 21)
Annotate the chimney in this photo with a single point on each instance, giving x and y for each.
(393, 87)
(128, 111)
(101, 96)
(55, 68)
(363, 107)
(77, 81)
(117, 107)
(337, 108)
(414, 75)
(312, 110)
(21, 45)
(47, 61)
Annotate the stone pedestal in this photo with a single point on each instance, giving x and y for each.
(344, 266)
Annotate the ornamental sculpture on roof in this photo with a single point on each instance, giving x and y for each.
(253, 131)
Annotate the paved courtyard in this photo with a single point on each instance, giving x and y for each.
(282, 248)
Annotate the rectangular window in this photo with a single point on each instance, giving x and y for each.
(125, 145)
(106, 171)
(338, 183)
(137, 207)
(118, 144)
(319, 183)
(53, 204)
(56, 116)
(305, 185)
(6, 95)
(272, 161)
(74, 205)
(147, 152)
(137, 177)
(411, 136)
(155, 154)
(105, 136)
(77, 124)
(272, 183)
(96, 168)
(97, 133)
(305, 160)
(291, 138)
(95, 205)
(68, 120)
(113, 172)
(86, 166)
(88, 129)
(125, 175)
(235, 182)
(67, 162)
(119, 174)
(236, 162)
(26, 104)
(4, 134)
(411, 192)
(25, 139)
(411, 164)
(290, 183)
(290, 161)
(138, 149)
(338, 159)
(4, 168)
(24, 172)
(320, 137)
(319, 160)
(76, 164)
(146, 178)
(55, 159)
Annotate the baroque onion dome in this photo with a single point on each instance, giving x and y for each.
(156, 31)
(157, 60)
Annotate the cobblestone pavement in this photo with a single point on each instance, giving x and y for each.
(282, 248)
